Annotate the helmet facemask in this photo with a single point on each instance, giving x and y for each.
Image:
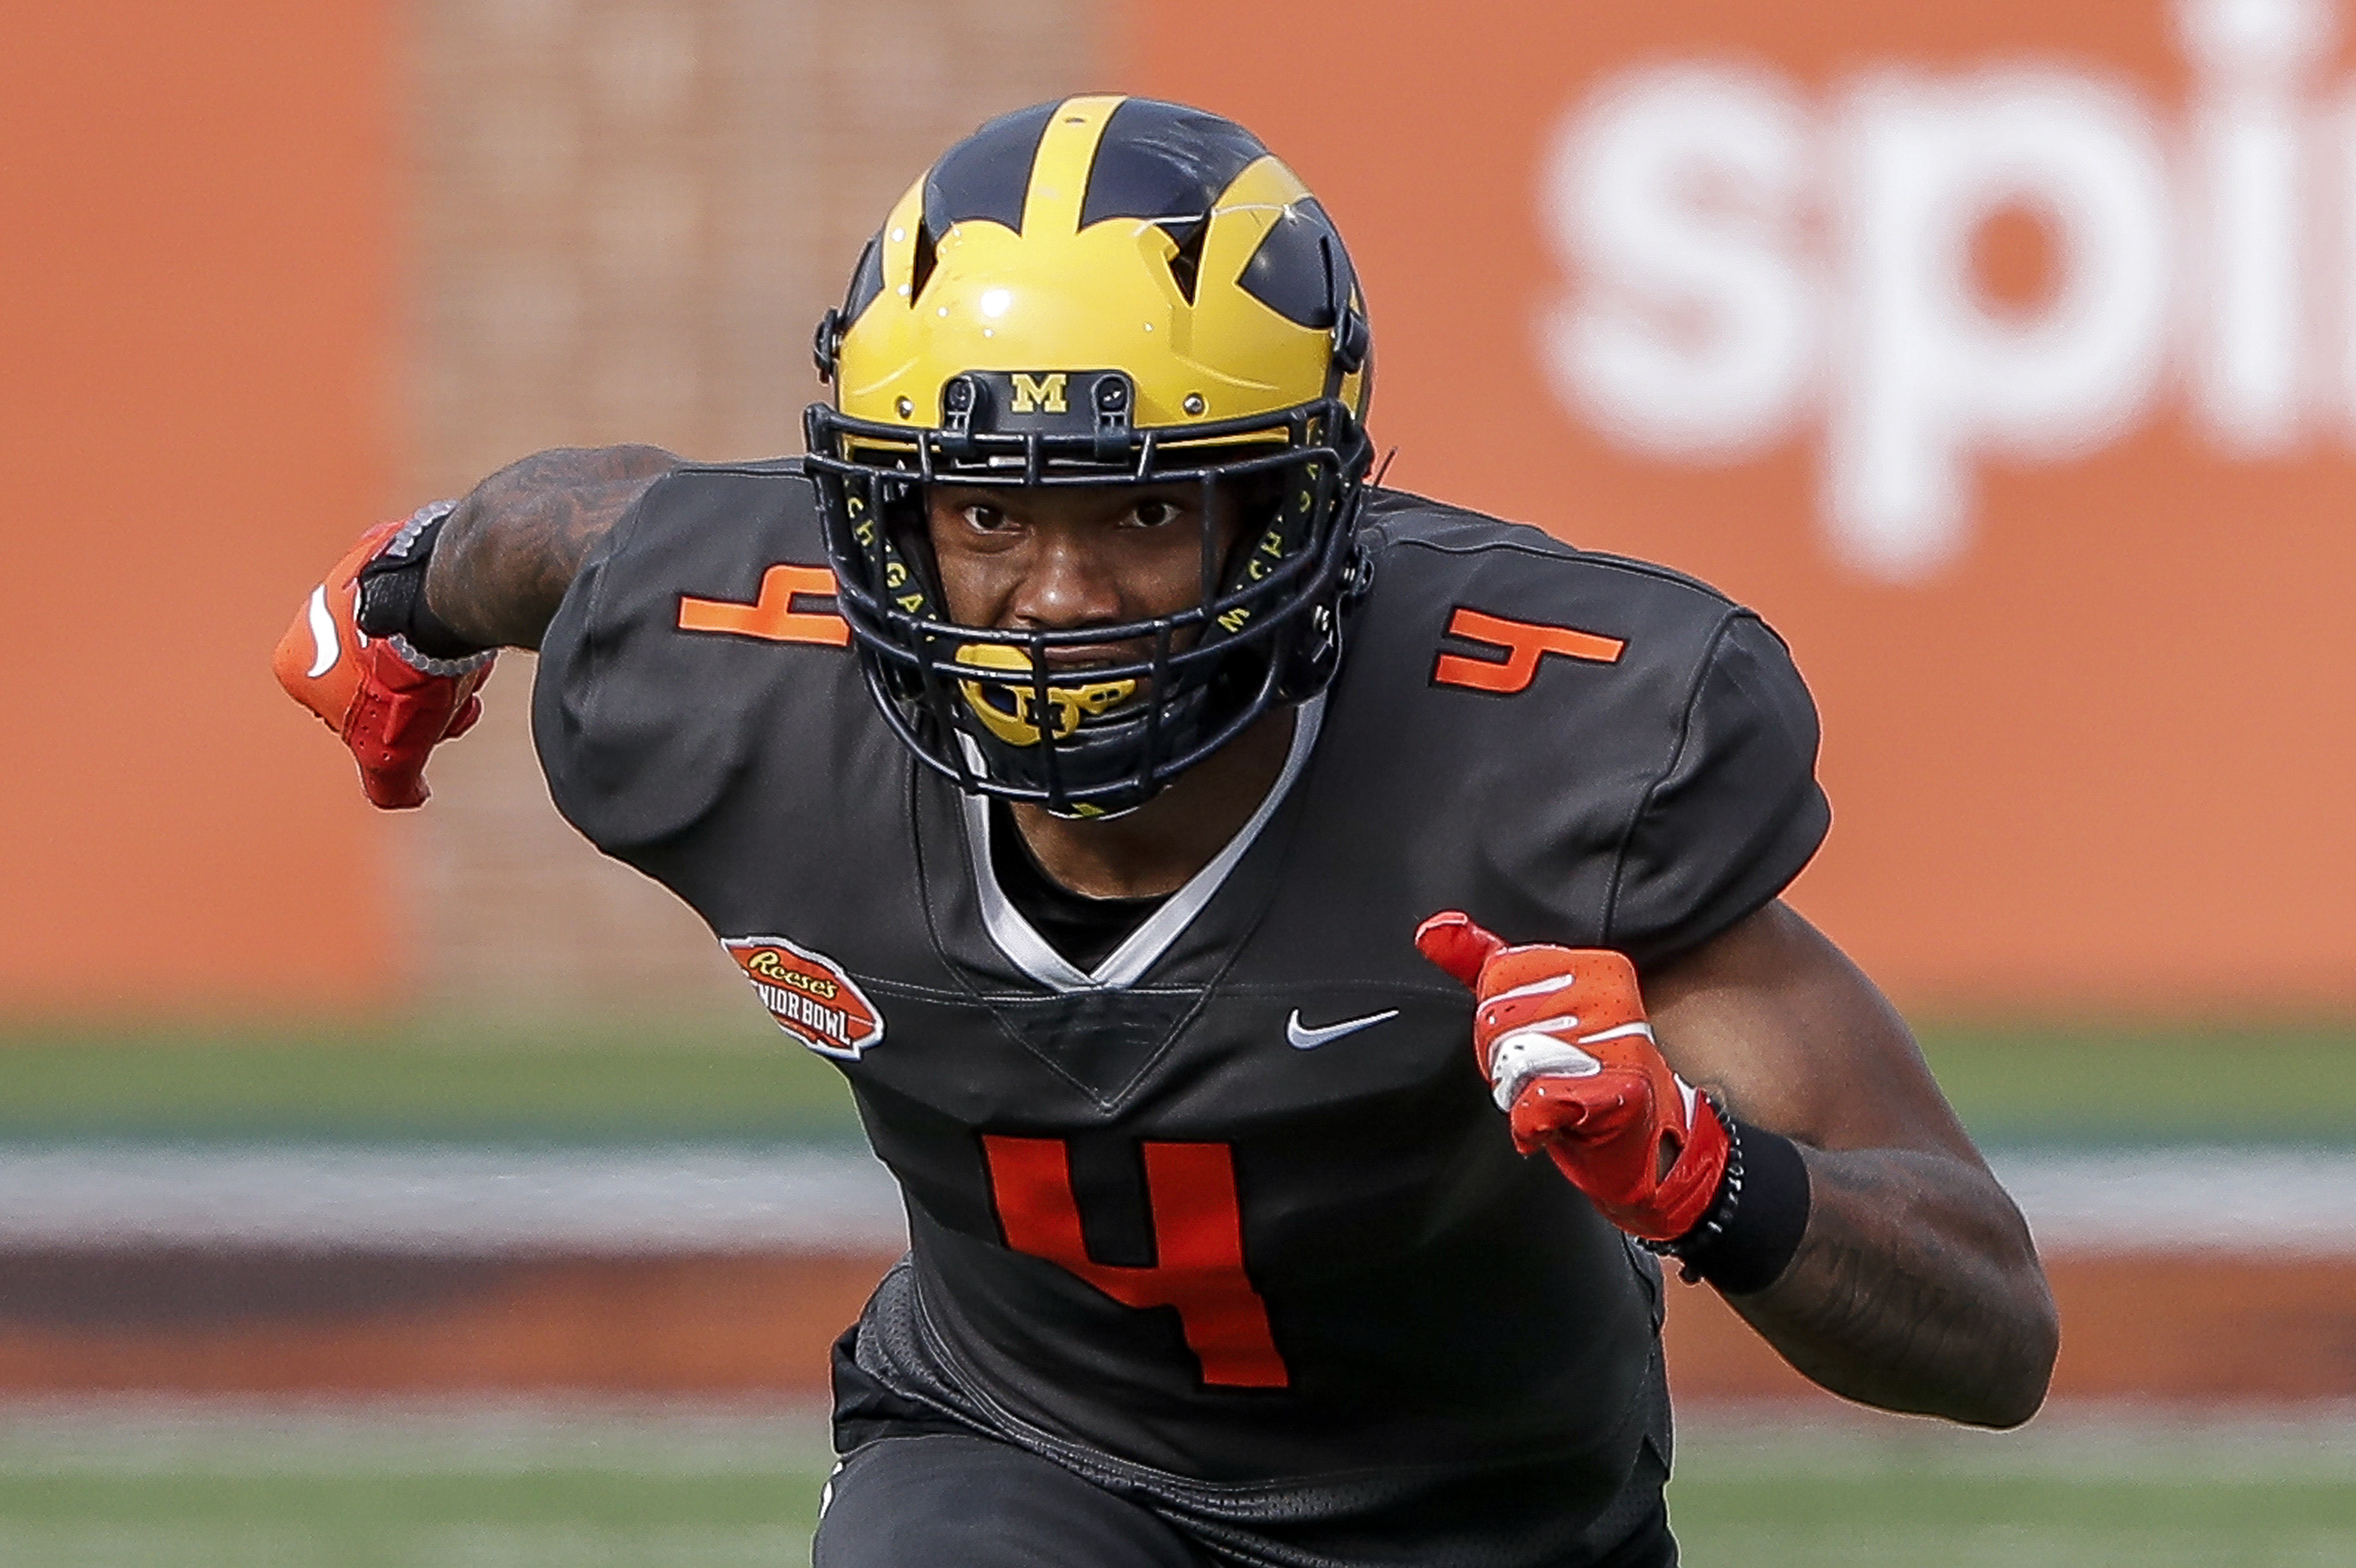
(987, 708)
(1092, 293)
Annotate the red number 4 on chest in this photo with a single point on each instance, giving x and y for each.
(1197, 1239)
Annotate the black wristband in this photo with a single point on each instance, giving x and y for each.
(1753, 1228)
(393, 590)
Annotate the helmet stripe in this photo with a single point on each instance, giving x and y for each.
(1299, 270)
(1166, 161)
(984, 176)
(1059, 176)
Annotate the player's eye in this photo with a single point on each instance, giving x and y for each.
(983, 518)
(1153, 513)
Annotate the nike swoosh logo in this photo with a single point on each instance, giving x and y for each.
(1305, 1039)
(326, 647)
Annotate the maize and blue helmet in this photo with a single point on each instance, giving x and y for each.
(1103, 290)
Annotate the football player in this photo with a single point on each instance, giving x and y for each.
(1146, 812)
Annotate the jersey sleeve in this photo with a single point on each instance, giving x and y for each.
(636, 736)
(1736, 812)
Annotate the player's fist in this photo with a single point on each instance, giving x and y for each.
(1560, 1033)
(388, 703)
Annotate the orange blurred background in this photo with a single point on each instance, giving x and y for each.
(2087, 747)
(199, 314)
(2100, 758)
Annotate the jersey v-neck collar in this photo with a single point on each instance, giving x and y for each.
(1016, 937)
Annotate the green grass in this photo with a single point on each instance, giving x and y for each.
(1808, 1523)
(738, 1080)
(2085, 1495)
(580, 1519)
(414, 1490)
(443, 1080)
(2093, 1084)
(406, 1490)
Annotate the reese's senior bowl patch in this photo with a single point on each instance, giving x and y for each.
(809, 995)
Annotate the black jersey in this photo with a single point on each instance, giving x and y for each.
(1228, 1221)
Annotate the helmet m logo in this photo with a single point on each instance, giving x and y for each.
(1036, 394)
(1523, 643)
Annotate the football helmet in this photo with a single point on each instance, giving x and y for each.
(1099, 291)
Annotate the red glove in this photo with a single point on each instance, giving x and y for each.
(1561, 1035)
(388, 703)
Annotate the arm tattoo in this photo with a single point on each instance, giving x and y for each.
(517, 539)
(1913, 1290)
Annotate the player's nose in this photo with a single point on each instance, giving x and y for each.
(1068, 585)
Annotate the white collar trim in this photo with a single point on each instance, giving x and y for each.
(1032, 953)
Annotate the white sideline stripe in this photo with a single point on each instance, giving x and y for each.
(450, 1200)
(2262, 1201)
(212, 1542)
(2253, 1201)
(432, 1435)
(2070, 1441)
(1768, 1438)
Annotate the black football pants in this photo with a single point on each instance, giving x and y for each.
(943, 1499)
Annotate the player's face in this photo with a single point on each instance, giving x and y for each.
(1053, 559)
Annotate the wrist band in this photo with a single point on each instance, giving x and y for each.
(1747, 1235)
(393, 593)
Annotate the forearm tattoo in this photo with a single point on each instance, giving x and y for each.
(1916, 1287)
(517, 539)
